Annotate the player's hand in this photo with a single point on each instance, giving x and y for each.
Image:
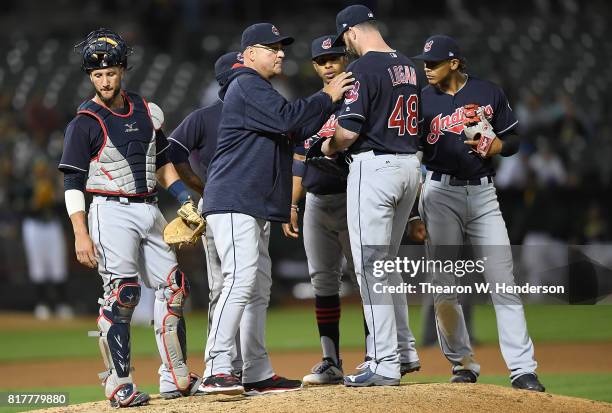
(292, 229)
(339, 85)
(326, 149)
(494, 149)
(86, 251)
(417, 231)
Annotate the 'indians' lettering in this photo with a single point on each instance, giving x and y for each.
(451, 123)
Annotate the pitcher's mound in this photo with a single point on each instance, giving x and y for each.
(410, 397)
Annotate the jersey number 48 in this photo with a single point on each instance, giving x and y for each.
(407, 120)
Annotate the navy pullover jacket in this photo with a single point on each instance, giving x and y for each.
(250, 172)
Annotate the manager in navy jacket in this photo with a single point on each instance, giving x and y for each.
(249, 185)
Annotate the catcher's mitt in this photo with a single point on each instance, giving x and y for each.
(335, 165)
(187, 228)
(477, 127)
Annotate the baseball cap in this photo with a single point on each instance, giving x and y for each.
(348, 17)
(225, 64)
(439, 47)
(322, 46)
(263, 33)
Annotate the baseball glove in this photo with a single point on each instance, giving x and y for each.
(334, 165)
(477, 127)
(187, 228)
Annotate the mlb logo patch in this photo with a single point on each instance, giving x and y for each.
(275, 31)
(240, 58)
(428, 45)
(327, 43)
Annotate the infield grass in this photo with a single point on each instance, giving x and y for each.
(294, 328)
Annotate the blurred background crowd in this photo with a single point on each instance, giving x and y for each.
(551, 58)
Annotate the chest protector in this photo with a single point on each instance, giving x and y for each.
(125, 164)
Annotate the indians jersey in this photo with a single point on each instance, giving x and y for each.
(443, 136)
(384, 104)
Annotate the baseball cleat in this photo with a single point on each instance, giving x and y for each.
(365, 365)
(128, 396)
(275, 384)
(528, 382)
(464, 376)
(368, 378)
(222, 384)
(195, 389)
(410, 367)
(325, 372)
(237, 374)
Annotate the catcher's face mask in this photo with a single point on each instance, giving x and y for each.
(103, 48)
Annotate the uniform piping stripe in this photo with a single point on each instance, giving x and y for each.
(180, 144)
(365, 278)
(65, 165)
(212, 361)
(509, 127)
(212, 284)
(167, 146)
(100, 236)
(351, 115)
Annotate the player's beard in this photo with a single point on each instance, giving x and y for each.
(350, 51)
(108, 102)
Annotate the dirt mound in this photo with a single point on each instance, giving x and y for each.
(410, 397)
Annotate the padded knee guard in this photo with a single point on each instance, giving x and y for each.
(114, 335)
(170, 327)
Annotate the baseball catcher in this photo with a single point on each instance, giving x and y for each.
(114, 149)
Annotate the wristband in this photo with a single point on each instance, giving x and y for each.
(298, 168)
(75, 201)
(179, 191)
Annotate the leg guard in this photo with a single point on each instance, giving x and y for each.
(170, 329)
(116, 310)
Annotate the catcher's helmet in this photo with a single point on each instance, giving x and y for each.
(103, 48)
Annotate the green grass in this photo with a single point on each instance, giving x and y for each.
(76, 395)
(590, 386)
(294, 328)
